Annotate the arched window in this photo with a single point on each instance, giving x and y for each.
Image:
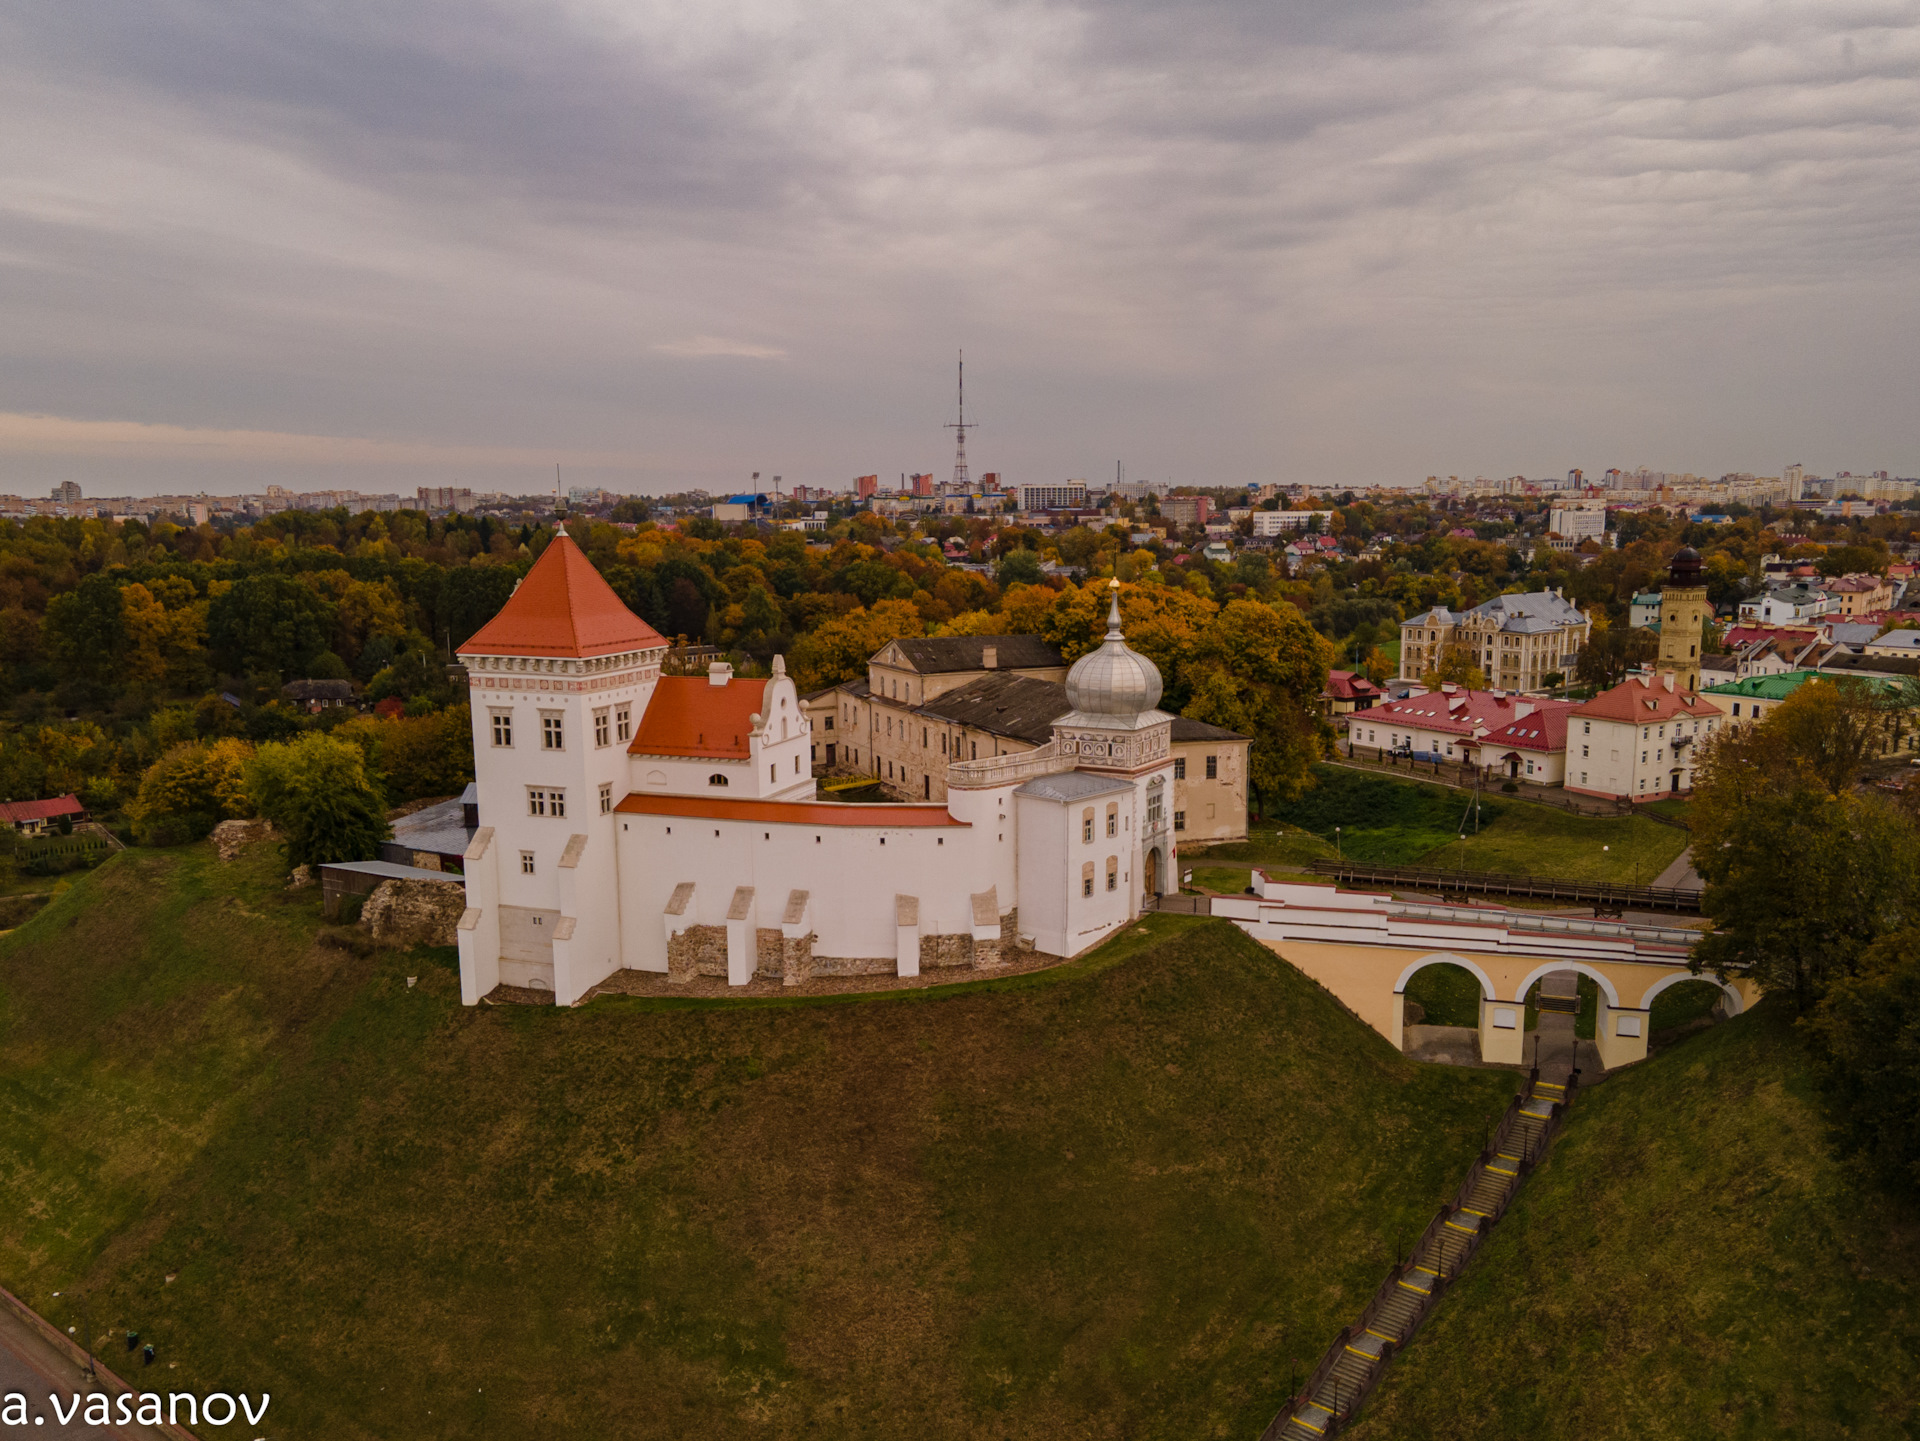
(716, 779)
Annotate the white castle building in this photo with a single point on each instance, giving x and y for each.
(634, 820)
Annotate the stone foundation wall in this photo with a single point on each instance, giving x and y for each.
(696, 951)
(414, 913)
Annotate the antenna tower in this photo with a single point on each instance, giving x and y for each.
(961, 480)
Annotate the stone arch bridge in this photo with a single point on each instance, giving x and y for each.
(1365, 946)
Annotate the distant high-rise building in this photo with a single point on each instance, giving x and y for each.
(67, 492)
(923, 484)
(444, 498)
(1187, 509)
(1066, 495)
(864, 486)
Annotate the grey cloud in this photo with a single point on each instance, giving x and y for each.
(1356, 242)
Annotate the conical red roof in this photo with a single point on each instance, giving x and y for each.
(563, 608)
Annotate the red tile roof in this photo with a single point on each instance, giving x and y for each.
(1544, 730)
(788, 813)
(563, 608)
(690, 716)
(1345, 685)
(17, 812)
(1461, 713)
(1638, 703)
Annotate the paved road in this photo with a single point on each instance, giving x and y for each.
(1681, 876)
(35, 1369)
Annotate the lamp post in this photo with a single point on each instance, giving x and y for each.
(1338, 854)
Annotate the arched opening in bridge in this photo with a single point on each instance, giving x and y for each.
(1440, 998)
(1680, 1005)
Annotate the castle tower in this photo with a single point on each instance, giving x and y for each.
(558, 680)
(1684, 613)
(1096, 838)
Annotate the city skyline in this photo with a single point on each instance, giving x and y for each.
(335, 247)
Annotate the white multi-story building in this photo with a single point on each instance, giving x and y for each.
(1280, 522)
(1579, 520)
(1066, 495)
(1639, 740)
(634, 820)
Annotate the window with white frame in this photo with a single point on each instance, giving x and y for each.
(623, 723)
(606, 798)
(1086, 826)
(602, 727)
(552, 733)
(1213, 768)
(546, 801)
(503, 728)
(1086, 879)
(1113, 819)
(1179, 820)
(1179, 768)
(526, 863)
(1113, 873)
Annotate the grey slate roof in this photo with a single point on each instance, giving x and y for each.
(1198, 730)
(1845, 662)
(1536, 611)
(1072, 786)
(933, 654)
(1010, 705)
(1898, 640)
(318, 690)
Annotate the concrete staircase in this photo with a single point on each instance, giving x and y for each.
(1362, 1352)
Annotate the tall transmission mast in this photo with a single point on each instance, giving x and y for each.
(962, 481)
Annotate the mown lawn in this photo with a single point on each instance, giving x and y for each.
(1386, 821)
(1691, 1262)
(1121, 1198)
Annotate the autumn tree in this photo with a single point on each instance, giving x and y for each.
(1456, 665)
(316, 789)
(1259, 670)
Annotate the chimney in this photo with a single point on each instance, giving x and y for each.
(1667, 676)
(1448, 688)
(990, 656)
(719, 673)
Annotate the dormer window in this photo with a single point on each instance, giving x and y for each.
(716, 779)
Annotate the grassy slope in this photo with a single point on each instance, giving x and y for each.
(1690, 1263)
(1120, 1198)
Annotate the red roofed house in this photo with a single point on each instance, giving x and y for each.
(33, 817)
(1638, 740)
(630, 821)
(1441, 725)
(1348, 691)
(1532, 748)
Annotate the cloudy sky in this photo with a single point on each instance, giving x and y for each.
(360, 244)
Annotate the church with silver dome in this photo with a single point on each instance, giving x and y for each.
(631, 821)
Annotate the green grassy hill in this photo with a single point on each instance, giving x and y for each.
(1690, 1263)
(1121, 1198)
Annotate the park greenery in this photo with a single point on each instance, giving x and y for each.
(121, 640)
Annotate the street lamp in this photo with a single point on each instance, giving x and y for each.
(1338, 854)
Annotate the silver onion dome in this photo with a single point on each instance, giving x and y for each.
(1114, 680)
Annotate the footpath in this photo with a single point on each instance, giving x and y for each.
(39, 1362)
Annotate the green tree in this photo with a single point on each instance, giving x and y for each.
(1866, 1043)
(317, 791)
(269, 624)
(1019, 567)
(86, 629)
(191, 788)
(1259, 669)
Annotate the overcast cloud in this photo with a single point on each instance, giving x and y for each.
(368, 245)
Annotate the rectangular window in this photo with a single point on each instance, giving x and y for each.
(623, 723)
(526, 863)
(829, 722)
(1113, 820)
(1086, 829)
(602, 727)
(1086, 885)
(1180, 768)
(1154, 813)
(606, 798)
(558, 801)
(536, 801)
(1179, 820)
(1583, 777)
(503, 728)
(1213, 768)
(550, 734)
(1113, 877)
